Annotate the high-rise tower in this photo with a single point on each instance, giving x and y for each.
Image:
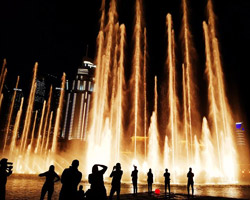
(78, 101)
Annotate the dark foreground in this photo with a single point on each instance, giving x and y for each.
(28, 187)
(146, 196)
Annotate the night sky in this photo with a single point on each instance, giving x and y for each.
(56, 34)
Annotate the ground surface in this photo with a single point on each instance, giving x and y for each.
(146, 196)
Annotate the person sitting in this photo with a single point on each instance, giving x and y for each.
(80, 193)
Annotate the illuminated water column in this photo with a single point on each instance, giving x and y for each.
(100, 134)
(211, 90)
(16, 128)
(33, 131)
(185, 107)
(136, 76)
(49, 130)
(117, 90)
(224, 112)
(2, 79)
(39, 135)
(190, 106)
(121, 84)
(208, 153)
(58, 115)
(28, 114)
(145, 90)
(153, 135)
(172, 96)
(98, 76)
(46, 119)
(114, 87)
(103, 100)
(10, 113)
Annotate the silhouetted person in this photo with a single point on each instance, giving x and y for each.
(116, 181)
(190, 176)
(97, 188)
(134, 176)
(48, 186)
(80, 193)
(5, 171)
(70, 179)
(150, 181)
(167, 181)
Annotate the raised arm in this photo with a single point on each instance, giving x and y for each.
(42, 174)
(112, 174)
(104, 168)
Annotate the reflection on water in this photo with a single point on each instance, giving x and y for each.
(28, 187)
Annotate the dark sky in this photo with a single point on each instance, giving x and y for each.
(56, 33)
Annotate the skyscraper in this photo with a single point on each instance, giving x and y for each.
(78, 101)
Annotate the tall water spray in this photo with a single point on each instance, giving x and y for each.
(58, 115)
(10, 114)
(153, 137)
(136, 74)
(28, 114)
(172, 96)
(2, 79)
(191, 116)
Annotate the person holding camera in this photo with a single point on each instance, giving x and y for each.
(116, 181)
(5, 171)
(97, 189)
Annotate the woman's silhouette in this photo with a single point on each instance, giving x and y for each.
(97, 188)
(48, 186)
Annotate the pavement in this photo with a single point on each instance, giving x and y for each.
(146, 196)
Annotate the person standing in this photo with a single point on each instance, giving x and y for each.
(150, 181)
(97, 188)
(5, 171)
(134, 176)
(167, 181)
(70, 179)
(116, 181)
(190, 176)
(48, 186)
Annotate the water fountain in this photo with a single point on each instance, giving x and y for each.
(188, 140)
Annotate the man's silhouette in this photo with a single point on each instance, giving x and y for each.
(190, 176)
(116, 181)
(150, 181)
(167, 181)
(97, 188)
(5, 171)
(48, 186)
(70, 179)
(80, 193)
(134, 176)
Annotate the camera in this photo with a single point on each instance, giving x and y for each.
(9, 166)
(6, 165)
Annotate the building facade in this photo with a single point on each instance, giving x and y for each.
(78, 102)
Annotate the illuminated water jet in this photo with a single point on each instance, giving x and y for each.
(119, 110)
